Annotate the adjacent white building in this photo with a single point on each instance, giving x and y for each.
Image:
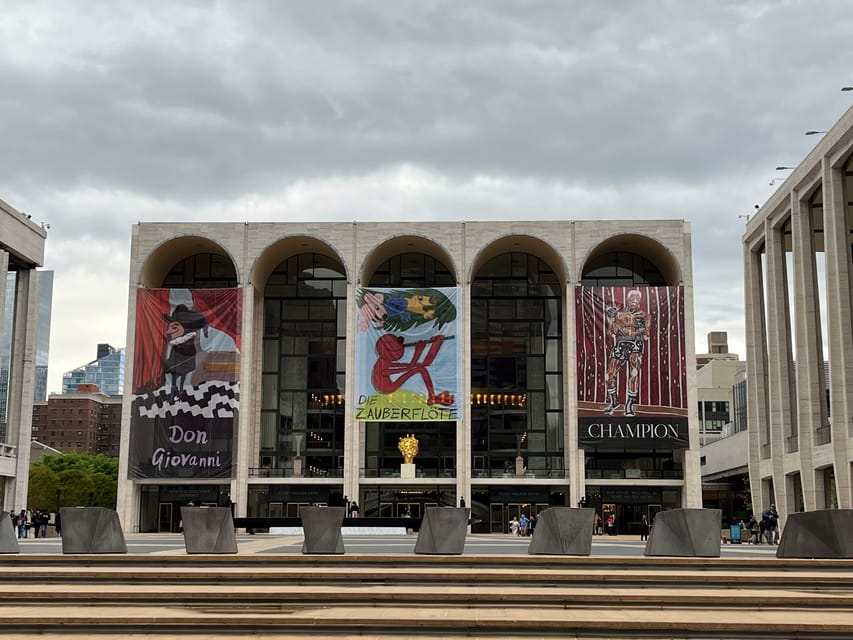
(21, 251)
(798, 270)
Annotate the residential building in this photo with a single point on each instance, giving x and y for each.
(86, 421)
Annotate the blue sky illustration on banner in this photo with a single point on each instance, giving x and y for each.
(408, 355)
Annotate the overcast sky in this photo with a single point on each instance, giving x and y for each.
(114, 112)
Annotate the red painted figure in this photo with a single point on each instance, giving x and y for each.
(389, 374)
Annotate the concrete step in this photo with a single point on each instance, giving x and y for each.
(291, 595)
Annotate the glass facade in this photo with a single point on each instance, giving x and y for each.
(303, 369)
(107, 372)
(516, 368)
(510, 451)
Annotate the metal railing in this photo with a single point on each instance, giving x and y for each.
(265, 472)
(634, 474)
(823, 435)
(394, 472)
(529, 473)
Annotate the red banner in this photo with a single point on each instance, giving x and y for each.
(631, 359)
(186, 374)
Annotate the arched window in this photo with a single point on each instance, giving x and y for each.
(303, 367)
(516, 367)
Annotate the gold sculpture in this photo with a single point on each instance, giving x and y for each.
(408, 446)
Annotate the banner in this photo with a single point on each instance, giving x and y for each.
(186, 383)
(631, 368)
(408, 355)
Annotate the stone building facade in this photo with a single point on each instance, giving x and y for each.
(516, 447)
(798, 270)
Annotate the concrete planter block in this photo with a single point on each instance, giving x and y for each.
(827, 533)
(208, 530)
(443, 531)
(91, 530)
(8, 535)
(322, 528)
(563, 531)
(686, 532)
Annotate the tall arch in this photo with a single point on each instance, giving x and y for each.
(630, 260)
(517, 390)
(189, 261)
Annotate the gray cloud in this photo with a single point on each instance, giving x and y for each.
(113, 112)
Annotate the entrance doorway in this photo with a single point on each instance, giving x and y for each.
(501, 513)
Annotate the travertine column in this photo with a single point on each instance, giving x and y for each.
(463, 427)
(574, 455)
(779, 358)
(839, 308)
(19, 407)
(809, 357)
(756, 360)
(354, 432)
(4, 272)
(250, 392)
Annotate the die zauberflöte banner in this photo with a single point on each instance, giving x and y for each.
(408, 354)
(631, 368)
(186, 383)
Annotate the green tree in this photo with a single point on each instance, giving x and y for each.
(75, 485)
(81, 479)
(43, 485)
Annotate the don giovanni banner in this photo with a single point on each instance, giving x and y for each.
(186, 392)
(631, 368)
(408, 355)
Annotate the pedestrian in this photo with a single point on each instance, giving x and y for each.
(611, 525)
(644, 528)
(754, 530)
(21, 523)
(353, 509)
(770, 518)
(596, 525)
(513, 526)
(523, 522)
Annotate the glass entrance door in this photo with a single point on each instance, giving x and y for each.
(498, 522)
(164, 518)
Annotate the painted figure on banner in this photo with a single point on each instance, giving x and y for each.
(407, 351)
(186, 383)
(389, 374)
(629, 327)
(181, 345)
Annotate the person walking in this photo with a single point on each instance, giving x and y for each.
(21, 523)
(513, 526)
(770, 518)
(611, 525)
(644, 528)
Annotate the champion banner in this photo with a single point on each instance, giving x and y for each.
(186, 383)
(631, 368)
(408, 355)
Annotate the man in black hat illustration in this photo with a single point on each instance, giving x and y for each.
(180, 349)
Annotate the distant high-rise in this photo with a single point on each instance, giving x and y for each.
(42, 352)
(106, 371)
